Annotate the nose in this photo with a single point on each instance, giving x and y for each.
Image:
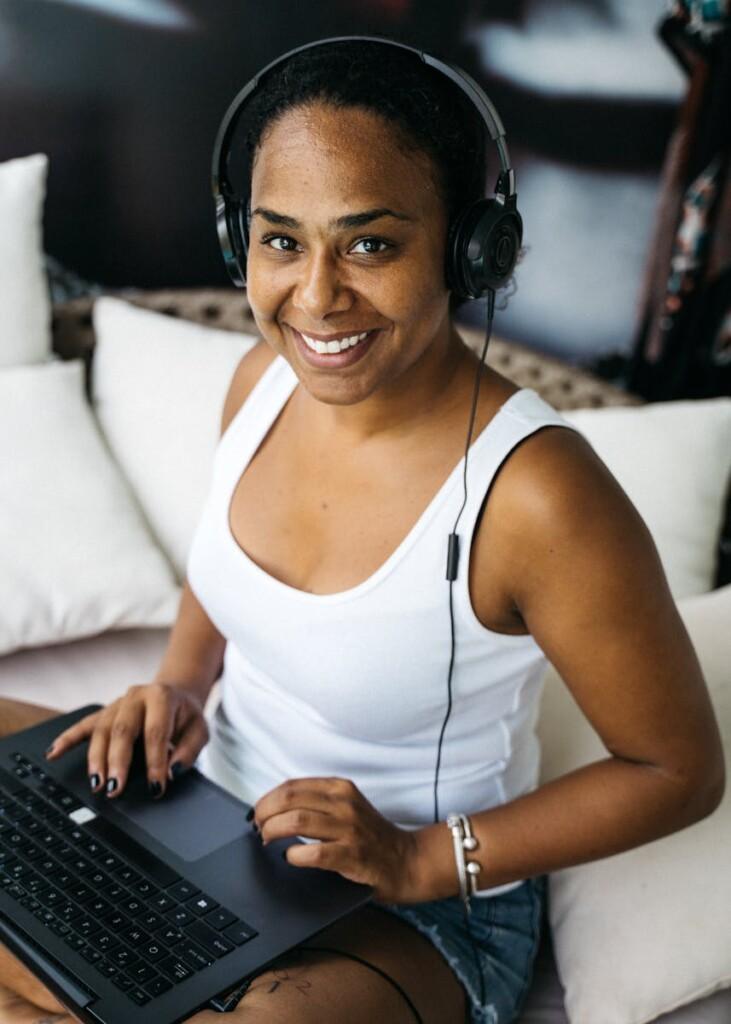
(320, 290)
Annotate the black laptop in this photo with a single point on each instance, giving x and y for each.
(141, 909)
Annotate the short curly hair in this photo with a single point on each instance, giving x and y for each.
(430, 113)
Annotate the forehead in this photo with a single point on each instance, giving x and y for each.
(339, 155)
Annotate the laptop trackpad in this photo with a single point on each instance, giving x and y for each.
(194, 818)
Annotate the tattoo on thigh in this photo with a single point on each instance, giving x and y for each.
(283, 974)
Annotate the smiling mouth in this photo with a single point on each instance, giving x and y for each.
(334, 347)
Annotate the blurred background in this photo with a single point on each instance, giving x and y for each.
(125, 96)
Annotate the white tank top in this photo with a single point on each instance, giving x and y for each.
(354, 684)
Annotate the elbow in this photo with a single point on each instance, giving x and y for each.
(707, 796)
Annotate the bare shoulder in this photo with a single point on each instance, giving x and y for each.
(560, 512)
(247, 373)
(586, 577)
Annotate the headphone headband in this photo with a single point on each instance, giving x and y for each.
(485, 232)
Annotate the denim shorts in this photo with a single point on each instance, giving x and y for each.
(506, 929)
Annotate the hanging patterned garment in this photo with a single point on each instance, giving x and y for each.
(683, 349)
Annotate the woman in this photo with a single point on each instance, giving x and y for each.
(318, 568)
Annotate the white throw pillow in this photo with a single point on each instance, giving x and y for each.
(673, 459)
(75, 555)
(159, 384)
(25, 335)
(643, 932)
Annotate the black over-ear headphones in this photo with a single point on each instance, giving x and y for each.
(484, 238)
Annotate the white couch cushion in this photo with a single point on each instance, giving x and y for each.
(673, 459)
(159, 384)
(75, 555)
(643, 932)
(24, 300)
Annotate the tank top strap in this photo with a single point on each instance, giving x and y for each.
(252, 422)
(524, 413)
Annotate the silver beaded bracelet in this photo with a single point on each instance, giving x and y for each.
(459, 826)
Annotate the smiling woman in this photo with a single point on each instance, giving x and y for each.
(316, 587)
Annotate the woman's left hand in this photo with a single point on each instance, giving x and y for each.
(355, 840)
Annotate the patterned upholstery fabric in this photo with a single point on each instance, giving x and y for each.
(564, 386)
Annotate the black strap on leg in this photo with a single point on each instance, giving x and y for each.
(366, 963)
(228, 1002)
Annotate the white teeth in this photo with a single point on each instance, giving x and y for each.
(334, 346)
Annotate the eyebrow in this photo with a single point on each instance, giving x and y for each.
(350, 220)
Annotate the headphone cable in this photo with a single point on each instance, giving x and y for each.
(452, 569)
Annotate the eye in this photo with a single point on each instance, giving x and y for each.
(273, 238)
(374, 241)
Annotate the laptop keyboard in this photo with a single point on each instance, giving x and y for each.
(133, 918)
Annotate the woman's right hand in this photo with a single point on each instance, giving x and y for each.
(169, 717)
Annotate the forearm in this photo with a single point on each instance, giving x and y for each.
(194, 654)
(596, 811)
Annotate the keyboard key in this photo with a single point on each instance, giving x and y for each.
(240, 932)
(170, 935)
(123, 957)
(92, 955)
(157, 985)
(212, 941)
(137, 995)
(193, 955)
(201, 904)
(107, 969)
(74, 941)
(68, 911)
(99, 907)
(59, 928)
(135, 935)
(122, 981)
(152, 951)
(133, 906)
(85, 926)
(127, 874)
(179, 916)
(81, 893)
(105, 942)
(174, 969)
(183, 890)
(150, 920)
(163, 902)
(220, 918)
(141, 973)
(145, 888)
(116, 920)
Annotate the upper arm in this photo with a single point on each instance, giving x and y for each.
(247, 373)
(587, 579)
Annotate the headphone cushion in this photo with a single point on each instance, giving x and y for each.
(483, 247)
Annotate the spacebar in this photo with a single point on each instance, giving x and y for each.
(141, 858)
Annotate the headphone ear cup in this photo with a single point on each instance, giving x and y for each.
(483, 247)
(232, 237)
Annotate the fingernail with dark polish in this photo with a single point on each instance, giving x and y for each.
(155, 788)
(111, 785)
(177, 769)
(94, 780)
(250, 814)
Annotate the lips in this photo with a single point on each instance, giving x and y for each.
(334, 360)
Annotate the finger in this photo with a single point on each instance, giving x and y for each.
(159, 717)
(315, 793)
(190, 739)
(70, 737)
(124, 730)
(96, 757)
(302, 822)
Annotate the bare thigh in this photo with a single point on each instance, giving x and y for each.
(309, 987)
